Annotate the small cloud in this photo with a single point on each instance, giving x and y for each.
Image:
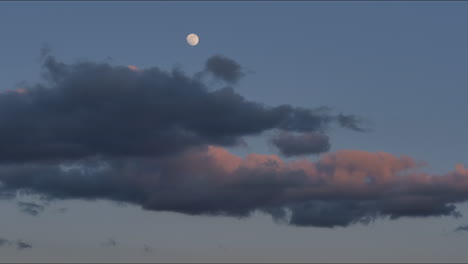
(133, 68)
(351, 122)
(109, 243)
(221, 247)
(147, 249)
(224, 69)
(291, 144)
(30, 208)
(4, 242)
(461, 228)
(21, 90)
(20, 245)
(17, 91)
(6, 194)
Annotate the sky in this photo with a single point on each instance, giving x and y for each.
(294, 131)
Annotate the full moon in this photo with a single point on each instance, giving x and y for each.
(192, 39)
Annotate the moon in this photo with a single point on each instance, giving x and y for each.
(192, 39)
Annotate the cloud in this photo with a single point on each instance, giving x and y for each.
(95, 109)
(133, 68)
(17, 91)
(23, 245)
(461, 228)
(303, 144)
(20, 245)
(351, 122)
(4, 242)
(224, 69)
(157, 139)
(339, 189)
(30, 208)
(109, 243)
(147, 249)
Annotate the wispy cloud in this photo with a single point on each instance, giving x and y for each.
(461, 228)
(19, 244)
(23, 245)
(30, 208)
(109, 243)
(147, 249)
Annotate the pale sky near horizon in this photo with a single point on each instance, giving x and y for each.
(401, 66)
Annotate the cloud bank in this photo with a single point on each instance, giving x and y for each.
(341, 188)
(158, 140)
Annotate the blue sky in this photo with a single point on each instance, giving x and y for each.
(400, 65)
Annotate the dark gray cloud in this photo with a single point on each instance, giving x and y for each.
(224, 68)
(290, 144)
(30, 208)
(461, 228)
(95, 109)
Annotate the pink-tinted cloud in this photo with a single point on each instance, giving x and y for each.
(346, 168)
(339, 189)
(21, 90)
(133, 68)
(16, 91)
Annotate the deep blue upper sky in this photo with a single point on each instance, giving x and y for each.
(401, 65)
